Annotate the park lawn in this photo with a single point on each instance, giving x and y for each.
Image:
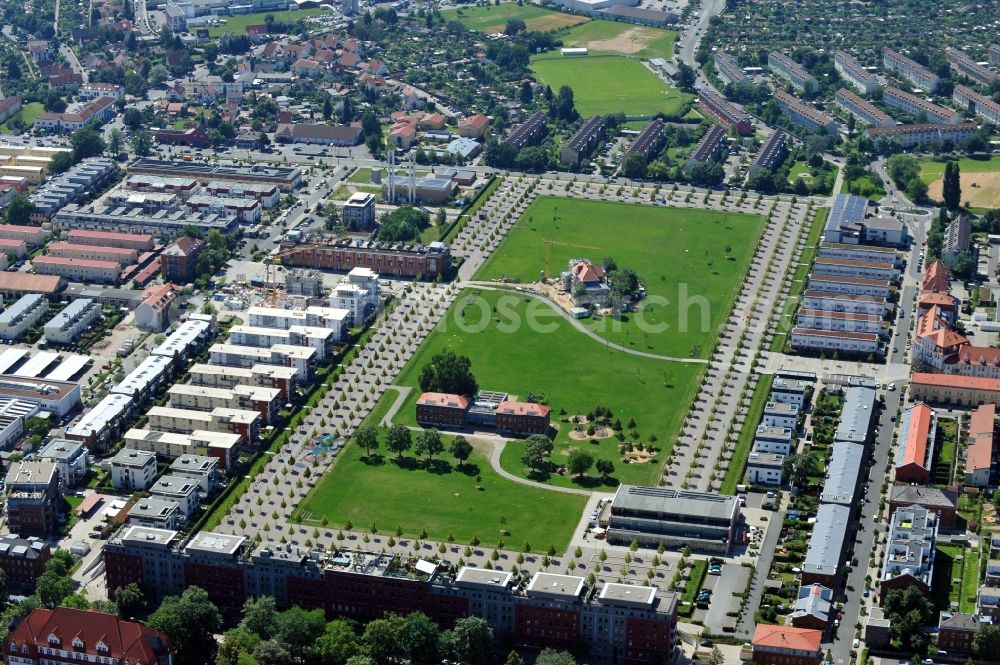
(799, 170)
(442, 499)
(362, 176)
(493, 18)
(237, 25)
(622, 39)
(864, 186)
(678, 253)
(609, 83)
(574, 371)
(932, 168)
(799, 280)
(28, 113)
(738, 464)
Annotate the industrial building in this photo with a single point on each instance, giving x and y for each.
(676, 519)
(286, 179)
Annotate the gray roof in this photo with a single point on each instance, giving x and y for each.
(60, 449)
(773, 433)
(923, 496)
(842, 473)
(153, 508)
(665, 500)
(781, 408)
(846, 209)
(857, 414)
(813, 600)
(788, 385)
(769, 460)
(132, 457)
(827, 542)
(959, 621)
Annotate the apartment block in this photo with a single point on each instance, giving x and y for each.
(967, 66)
(70, 458)
(852, 268)
(976, 103)
(994, 54)
(156, 513)
(772, 153)
(659, 515)
(729, 70)
(33, 236)
(842, 302)
(904, 101)
(528, 133)
(909, 69)
(583, 143)
(358, 293)
(265, 401)
(80, 181)
(854, 73)
(791, 391)
(422, 261)
(710, 148)
(99, 110)
(202, 469)
(302, 358)
(67, 326)
(862, 109)
(783, 66)
(123, 256)
(77, 270)
(140, 242)
(909, 551)
(243, 422)
(171, 445)
(649, 142)
(283, 379)
(803, 114)
(817, 319)
(177, 488)
(23, 560)
(764, 468)
(979, 454)
(98, 427)
(268, 195)
(829, 341)
(163, 224)
(359, 211)
(773, 439)
(780, 414)
(850, 285)
(337, 320)
(910, 136)
(133, 470)
(26, 312)
(247, 211)
(32, 494)
(725, 113)
(320, 340)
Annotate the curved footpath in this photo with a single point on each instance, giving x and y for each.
(488, 286)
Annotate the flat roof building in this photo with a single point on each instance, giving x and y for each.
(22, 315)
(67, 326)
(658, 515)
(133, 470)
(286, 178)
(909, 551)
(171, 445)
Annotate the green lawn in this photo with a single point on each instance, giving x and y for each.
(932, 168)
(362, 176)
(970, 580)
(799, 279)
(622, 38)
(493, 18)
(574, 371)
(799, 170)
(734, 472)
(442, 499)
(237, 25)
(609, 83)
(28, 113)
(678, 253)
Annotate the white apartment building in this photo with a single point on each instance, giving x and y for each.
(333, 318)
(359, 211)
(202, 469)
(176, 488)
(171, 445)
(125, 256)
(237, 421)
(67, 326)
(842, 302)
(850, 285)
(862, 109)
(764, 468)
(911, 70)
(829, 341)
(783, 66)
(77, 270)
(133, 470)
(268, 195)
(70, 458)
(729, 70)
(772, 439)
(967, 66)
(94, 90)
(157, 513)
(321, 340)
(283, 379)
(836, 250)
(803, 114)
(359, 294)
(265, 401)
(24, 314)
(981, 105)
(907, 103)
(909, 136)
(848, 268)
(818, 319)
(302, 358)
(854, 73)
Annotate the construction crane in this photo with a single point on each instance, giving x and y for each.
(274, 259)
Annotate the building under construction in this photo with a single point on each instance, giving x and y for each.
(388, 259)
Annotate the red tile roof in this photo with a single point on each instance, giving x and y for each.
(980, 452)
(509, 407)
(123, 640)
(915, 446)
(955, 381)
(935, 278)
(45, 259)
(443, 400)
(476, 121)
(109, 235)
(787, 637)
(24, 282)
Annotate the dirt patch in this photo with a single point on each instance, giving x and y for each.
(639, 457)
(631, 41)
(981, 190)
(553, 22)
(599, 433)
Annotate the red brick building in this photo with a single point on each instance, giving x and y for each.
(786, 645)
(422, 261)
(193, 137)
(955, 632)
(522, 418)
(442, 409)
(23, 559)
(941, 502)
(180, 259)
(65, 635)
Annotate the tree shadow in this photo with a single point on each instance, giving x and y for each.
(591, 482)
(468, 469)
(438, 466)
(373, 460)
(408, 463)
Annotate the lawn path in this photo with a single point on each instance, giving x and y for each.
(402, 393)
(487, 286)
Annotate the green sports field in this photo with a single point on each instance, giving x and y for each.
(980, 179)
(237, 25)
(573, 370)
(493, 18)
(680, 255)
(608, 83)
(933, 168)
(622, 38)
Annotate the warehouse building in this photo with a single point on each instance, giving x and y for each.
(285, 178)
